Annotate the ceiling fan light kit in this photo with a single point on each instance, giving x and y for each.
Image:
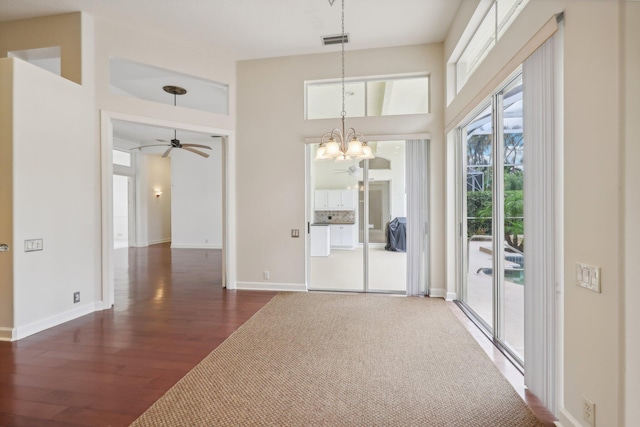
(336, 146)
(175, 142)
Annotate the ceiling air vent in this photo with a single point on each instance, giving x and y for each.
(335, 39)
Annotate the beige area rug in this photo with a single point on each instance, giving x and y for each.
(345, 360)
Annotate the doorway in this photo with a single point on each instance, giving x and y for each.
(366, 238)
(159, 195)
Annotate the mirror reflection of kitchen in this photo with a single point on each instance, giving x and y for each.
(338, 203)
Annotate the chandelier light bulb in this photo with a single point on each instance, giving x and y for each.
(332, 149)
(355, 148)
(367, 152)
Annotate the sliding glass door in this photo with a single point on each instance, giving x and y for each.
(492, 220)
(367, 231)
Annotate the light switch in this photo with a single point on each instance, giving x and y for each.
(32, 245)
(588, 277)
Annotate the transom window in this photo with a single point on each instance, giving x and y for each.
(497, 19)
(387, 96)
(121, 158)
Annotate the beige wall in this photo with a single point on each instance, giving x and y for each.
(6, 197)
(158, 177)
(631, 60)
(50, 31)
(593, 203)
(271, 157)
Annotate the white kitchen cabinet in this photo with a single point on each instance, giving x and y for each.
(342, 236)
(334, 200)
(348, 199)
(321, 200)
(320, 238)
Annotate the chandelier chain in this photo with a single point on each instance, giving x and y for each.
(343, 144)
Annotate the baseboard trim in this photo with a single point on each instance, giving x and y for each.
(451, 296)
(437, 293)
(157, 242)
(260, 286)
(7, 334)
(179, 246)
(55, 320)
(566, 419)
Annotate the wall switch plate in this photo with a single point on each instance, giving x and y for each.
(33, 245)
(295, 233)
(589, 411)
(588, 277)
(76, 297)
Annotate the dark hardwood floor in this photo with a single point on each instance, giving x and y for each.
(107, 368)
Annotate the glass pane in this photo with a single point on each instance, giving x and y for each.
(398, 96)
(479, 46)
(478, 288)
(514, 264)
(508, 10)
(121, 158)
(336, 261)
(387, 219)
(324, 100)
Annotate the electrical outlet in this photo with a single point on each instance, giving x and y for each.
(265, 275)
(589, 411)
(76, 297)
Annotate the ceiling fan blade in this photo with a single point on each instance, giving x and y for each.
(197, 145)
(200, 153)
(150, 145)
(162, 140)
(166, 153)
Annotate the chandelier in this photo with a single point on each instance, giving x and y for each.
(342, 143)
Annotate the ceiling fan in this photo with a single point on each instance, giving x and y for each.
(352, 170)
(175, 142)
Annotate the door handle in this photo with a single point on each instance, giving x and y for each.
(4, 247)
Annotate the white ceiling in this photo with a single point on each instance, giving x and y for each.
(264, 28)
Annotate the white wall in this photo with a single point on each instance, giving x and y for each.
(156, 49)
(593, 203)
(271, 166)
(55, 198)
(158, 178)
(121, 208)
(196, 190)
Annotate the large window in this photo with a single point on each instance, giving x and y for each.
(387, 96)
(497, 19)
